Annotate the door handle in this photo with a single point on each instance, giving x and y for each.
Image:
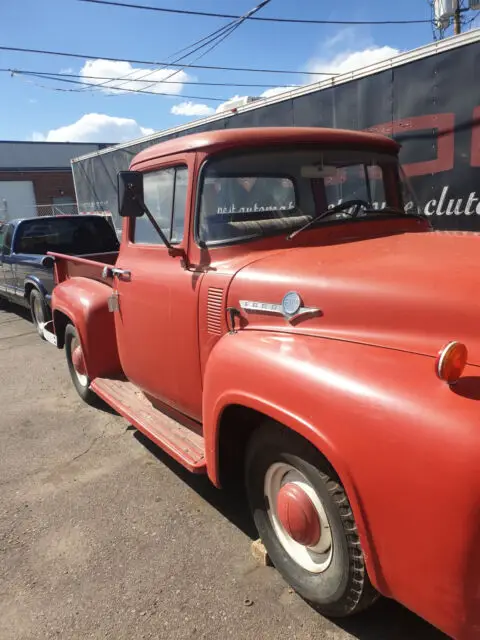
(120, 272)
(111, 272)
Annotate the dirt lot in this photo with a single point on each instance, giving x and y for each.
(103, 536)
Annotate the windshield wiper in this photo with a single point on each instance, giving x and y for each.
(336, 209)
(394, 211)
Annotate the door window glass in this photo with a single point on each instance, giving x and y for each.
(165, 194)
(7, 240)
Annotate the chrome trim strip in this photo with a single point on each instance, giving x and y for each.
(269, 307)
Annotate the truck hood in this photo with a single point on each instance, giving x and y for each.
(414, 292)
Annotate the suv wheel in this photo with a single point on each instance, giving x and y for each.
(39, 310)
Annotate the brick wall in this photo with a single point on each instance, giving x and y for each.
(47, 184)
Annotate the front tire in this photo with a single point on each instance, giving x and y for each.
(76, 366)
(305, 521)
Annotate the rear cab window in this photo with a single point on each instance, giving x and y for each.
(72, 236)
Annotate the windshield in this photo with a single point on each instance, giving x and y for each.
(73, 236)
(257, 194)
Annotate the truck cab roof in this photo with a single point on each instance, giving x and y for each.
(214, 141)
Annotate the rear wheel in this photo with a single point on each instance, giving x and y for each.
(76, 366)
(39, 311)
(306, 523)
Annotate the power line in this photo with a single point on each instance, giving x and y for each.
(83, 56)
(259, 18)
(214, 40)
(93, 85)
(52, 75)
(199, 44)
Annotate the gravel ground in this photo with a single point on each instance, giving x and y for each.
(104, 536)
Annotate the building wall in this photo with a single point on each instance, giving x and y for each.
(42, 155)
(47, 184)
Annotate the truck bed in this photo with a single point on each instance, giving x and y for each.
(91, 266)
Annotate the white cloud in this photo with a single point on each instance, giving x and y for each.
(94, 69)
(275, 91)
(191, 109)
(96, 127)
(352, 60)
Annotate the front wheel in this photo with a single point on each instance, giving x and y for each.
(76, 366)
(306, 523)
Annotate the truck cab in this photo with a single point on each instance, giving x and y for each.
(281, 315)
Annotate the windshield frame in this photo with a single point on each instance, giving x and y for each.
(225, 154)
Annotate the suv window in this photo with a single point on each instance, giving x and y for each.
(7, 239)
(74, 235)
(165, 194)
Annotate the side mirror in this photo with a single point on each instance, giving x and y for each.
(130, 194)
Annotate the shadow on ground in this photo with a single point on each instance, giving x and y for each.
(386, 620)
(14, 312)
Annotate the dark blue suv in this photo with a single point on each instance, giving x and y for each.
(26, 272)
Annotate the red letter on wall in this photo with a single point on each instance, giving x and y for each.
(475, 161)
(443, 123)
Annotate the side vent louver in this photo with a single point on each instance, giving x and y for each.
(214, 310)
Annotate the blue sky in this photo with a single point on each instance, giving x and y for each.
(28, 111)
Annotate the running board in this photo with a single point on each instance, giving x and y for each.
(184, 444)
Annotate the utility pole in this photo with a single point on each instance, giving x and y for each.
(457, 24)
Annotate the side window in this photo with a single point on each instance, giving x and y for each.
(165, 194)
(7, 240)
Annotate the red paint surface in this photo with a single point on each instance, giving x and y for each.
(297, 515)
(84, 302)
(357, 379)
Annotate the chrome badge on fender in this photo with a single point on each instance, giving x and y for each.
(290, 307)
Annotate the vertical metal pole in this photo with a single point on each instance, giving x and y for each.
(457, 25)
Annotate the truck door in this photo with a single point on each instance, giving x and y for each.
(8, 280)
(156, 322)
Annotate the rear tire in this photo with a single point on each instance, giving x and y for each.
(329, 571)
(39, 310)
(80, 380)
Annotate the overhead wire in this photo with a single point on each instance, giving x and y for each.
(82, 56)
(211, 14)
(215, 39)
(93, 85)
(185, 50)
(62, 75)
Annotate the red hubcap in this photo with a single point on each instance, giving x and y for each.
(77, 360)
(297, 515)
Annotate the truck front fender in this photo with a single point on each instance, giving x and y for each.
(84, 302)
(404, 444)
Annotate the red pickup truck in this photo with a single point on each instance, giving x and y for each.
(280, 314)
